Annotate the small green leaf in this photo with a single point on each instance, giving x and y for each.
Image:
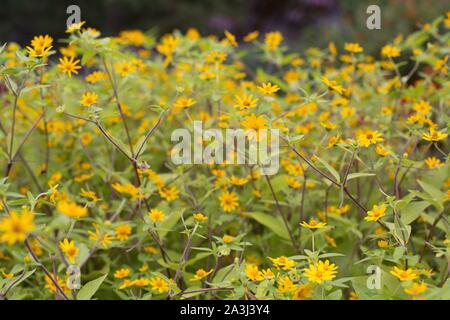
(90, 288)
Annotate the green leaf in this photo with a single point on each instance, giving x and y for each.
(398, 253)
(90, 288)
(359, 175)
(330, 169)
(412, 211)
(271, 222)
(434, 192)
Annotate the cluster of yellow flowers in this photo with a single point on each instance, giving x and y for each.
(364, 176)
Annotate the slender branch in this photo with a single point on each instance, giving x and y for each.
(47, 273)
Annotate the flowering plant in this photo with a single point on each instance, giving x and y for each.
(93, 206)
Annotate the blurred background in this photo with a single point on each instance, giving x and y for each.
(304, 23)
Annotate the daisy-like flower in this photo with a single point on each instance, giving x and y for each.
(376, 213)
(71, 209)
(434, 135)
(231, 38)
(69, 249)
(283, 262)
(416, 289)
(200, 274)
(229, 201)
(246, 102)
(160, 285)
(390, 51)
(303, 292)
(227, 239)
(273, 40)
(156, 215)
(88, 99)
(75, 27)
(381, 151)
(433, 163)
(251, 36)
(183, 103)
(122, 273)
(253, 273)
(333, 85)
(404, 274)
(69, 65)
(268, 89)
(313, 224)
(123, 232)
(321, 271)
(199, 217)
(369, 137)
(353, 47)
(15, 227)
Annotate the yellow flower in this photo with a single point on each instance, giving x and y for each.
(313, 224)
(216, 57)
(353, 47)
(333, 85)
(231, 38)
(169, 193)
(159, 284)
(199, 217)
(383, 244)
(238, 181)
(246, 102)
(183, 103)
(285, 285)
(272, 40)
(416, 289)
(156, 215)
(123, 232)
(376, 213)
(228, 201)
(71, 209)
(75, 26)
(251, 36)
(433, 162)
(69, 65)
(404, 274)
(128, 189)
(15, 227)
(88, 99)
(268, 89)
(50, 286)
(369, 137)
(255, 123)
(303, 292)
(321, 271)
(95, 77)
(333, 140)
(89, 195)
(69, 249)
(104, 238)
(200, 274)
(227, 239)
(42, 41)
(253, 273)
(132, 37)
(389, 51)
(422, 107)
(124, 68)
(126, 284)
(331, 241)
(122, 273)
(282, 262)
(434, 135)
(381, 151)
